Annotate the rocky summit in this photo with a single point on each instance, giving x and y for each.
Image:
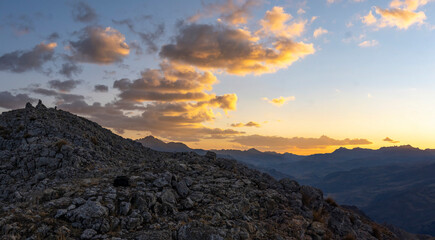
(65, 177)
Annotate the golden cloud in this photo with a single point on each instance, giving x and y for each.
(276, 22)
(170, 101)
(238, 51)
(319, 31)
(369, 19)
(172, 82)
(248, 124)
(410, 5)
(99, 45)
(296, 142)
(368, 43)
(387, 139)
(402, 15)
(279, 101)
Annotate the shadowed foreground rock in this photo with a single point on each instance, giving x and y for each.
(57, 182)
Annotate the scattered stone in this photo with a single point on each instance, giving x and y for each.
(88, 234)
(211, 155)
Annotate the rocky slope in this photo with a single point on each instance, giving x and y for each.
(393, 185)
(57, 176)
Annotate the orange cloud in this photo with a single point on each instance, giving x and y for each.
(369, 19)
(319, 31)
(368, 43)
(170, 101)
(172, 82)
(279, 101)
(99, 45)
(296, 142)
(248, 124)
(410, 5)
(276, 22)
(402, 15)
(238, 51)
(387, 139)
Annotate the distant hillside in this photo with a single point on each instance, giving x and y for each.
(392, 184)
(252, 157)
(402, 195)
(159, 145)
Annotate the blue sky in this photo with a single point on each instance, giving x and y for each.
(367, 81)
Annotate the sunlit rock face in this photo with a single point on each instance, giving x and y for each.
(58, 174)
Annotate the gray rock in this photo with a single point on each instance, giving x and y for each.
(182, 188)
(168, 197)
(60, 213)
(124, 208)
(195, 231)
(160, 182)
(88, 234)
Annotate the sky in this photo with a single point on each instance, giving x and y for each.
(289, 76)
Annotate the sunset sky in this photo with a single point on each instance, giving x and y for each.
(288, 76)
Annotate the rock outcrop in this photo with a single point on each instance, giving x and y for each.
(57, 175)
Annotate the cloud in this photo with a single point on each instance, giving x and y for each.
(387, 139)
(295, 142)
(69, 69)
(410, 5)
(177, 121)
(276, 22)
(61, 98)
(172, 82)
(149, 38)
(279, 101)
(319, 31)
(101, 88)
(53, 37)
(369, 19)
(64, 86)
(20, 25)
(402, 14)
(137, 48)
(368, 43)
(99, 45)
(82, 12)
(248, 124)
(233, 50)
(9, 101)
(229, 11)
(22, 61)
(172, 101)
(301, 11)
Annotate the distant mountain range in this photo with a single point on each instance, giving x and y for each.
(395, 185)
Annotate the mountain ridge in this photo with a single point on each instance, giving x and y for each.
(59, 173)
(367, 178)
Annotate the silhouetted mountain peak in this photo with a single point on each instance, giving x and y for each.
(342, 150)
(151, 138)
(253, 150)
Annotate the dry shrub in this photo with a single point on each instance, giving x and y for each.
(59, 144)
(349, 237)
(331, 202)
